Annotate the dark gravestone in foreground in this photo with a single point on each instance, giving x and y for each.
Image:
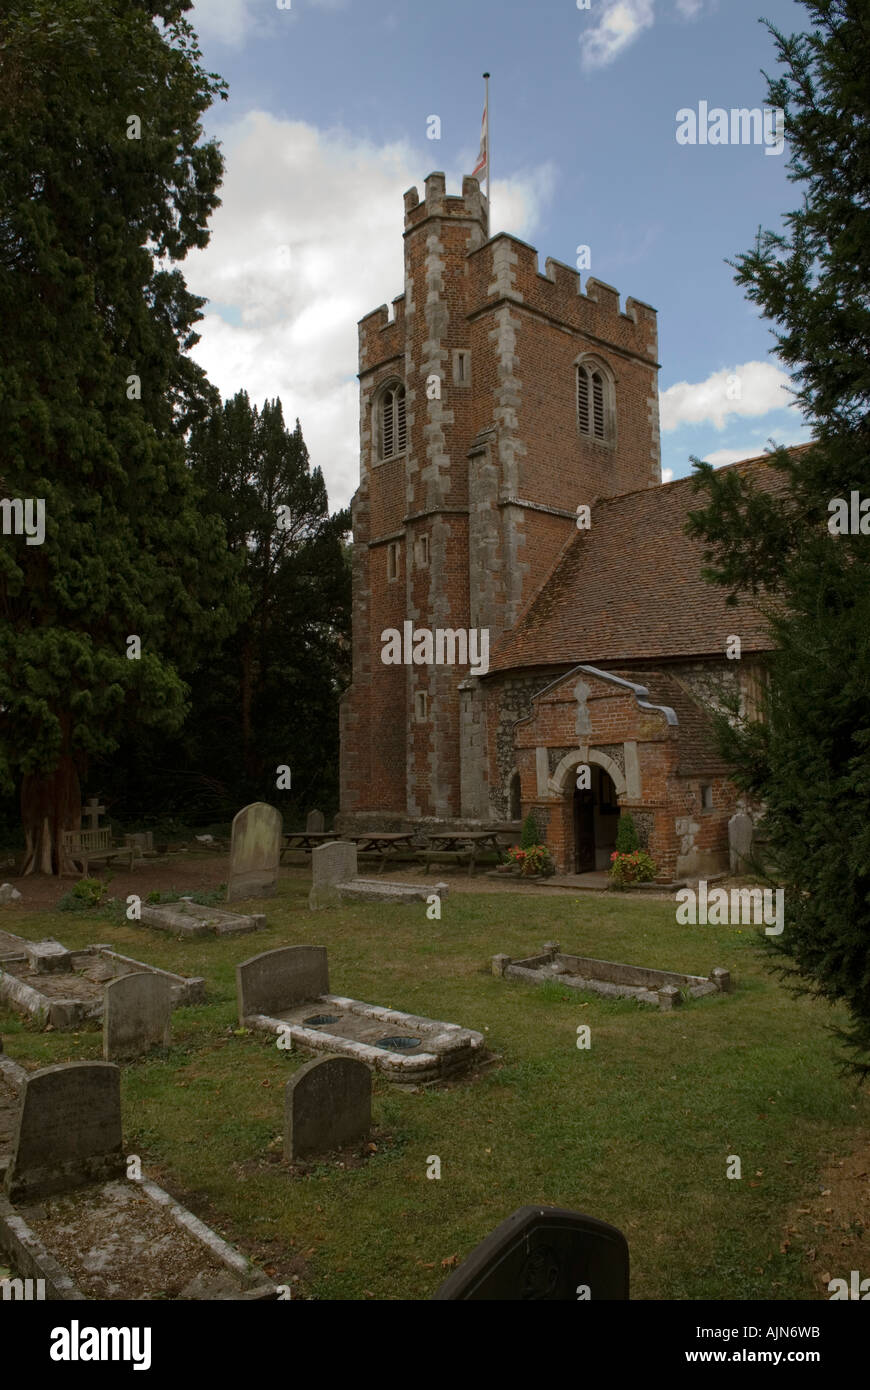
(544, 1253)
(69, 1130)
(327, 1104)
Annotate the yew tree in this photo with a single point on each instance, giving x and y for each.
(808, 760)
(106, 182)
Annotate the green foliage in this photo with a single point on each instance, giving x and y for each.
(268, 694)
(91, 222)
(626, 834)
(530, 834)
(532, 861)
(808, 759)
(87, 893)
(634, 866)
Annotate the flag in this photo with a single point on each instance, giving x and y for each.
(483, 157)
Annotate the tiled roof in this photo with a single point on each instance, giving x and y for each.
(630, 588)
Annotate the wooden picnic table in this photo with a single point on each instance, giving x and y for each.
(386, 844)
(456, 844)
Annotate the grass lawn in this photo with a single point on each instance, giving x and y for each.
(635, 1131)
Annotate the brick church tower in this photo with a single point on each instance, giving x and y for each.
(493, 402)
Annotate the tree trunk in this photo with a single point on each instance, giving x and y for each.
(50, 803)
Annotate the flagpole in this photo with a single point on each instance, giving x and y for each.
(488, 158)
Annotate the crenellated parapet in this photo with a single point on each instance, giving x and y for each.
(507, 268)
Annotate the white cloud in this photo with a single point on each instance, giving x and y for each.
(720, 457)
(667, 475)
(307, 240)
(226, 21)
(231, 22)
(690, 9)
(751, 389)
(620, 23)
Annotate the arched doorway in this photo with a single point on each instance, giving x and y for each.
(596, 815)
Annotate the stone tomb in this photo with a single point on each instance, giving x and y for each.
(93, 1232)
(327, 1104)
(335, 880)
(544, 1254)
(314, 824)
(12, 946)
(187, 918)
(661, 987)
(287, 991)
(64, 988)
(255, 852)
(136, 1015)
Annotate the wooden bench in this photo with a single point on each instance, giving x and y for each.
(82, 846)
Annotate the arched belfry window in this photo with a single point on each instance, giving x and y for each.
(392, 433)
(596, 405)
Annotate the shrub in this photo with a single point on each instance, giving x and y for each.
(626, 834)
(530, 834)
(88, 892)
(636, 867)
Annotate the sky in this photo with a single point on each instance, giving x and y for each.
(327, 124)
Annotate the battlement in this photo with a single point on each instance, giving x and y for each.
(507, 268)
(381, 335)
(469, 205)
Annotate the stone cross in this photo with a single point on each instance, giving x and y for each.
(93, 811)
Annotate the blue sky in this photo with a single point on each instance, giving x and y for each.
(326, 127)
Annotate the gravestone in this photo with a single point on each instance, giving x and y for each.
(136, 1015)
(69, 1130)
(255, 851)
(544, 1254)
(327, 1104)
(314, 823)
(276, 980)
(740, 833)
(141, 840)
(331, 865)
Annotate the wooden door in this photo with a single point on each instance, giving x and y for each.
(584, 832)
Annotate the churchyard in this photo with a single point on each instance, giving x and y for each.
(636, 1128)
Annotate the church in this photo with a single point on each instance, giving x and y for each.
(510, 485)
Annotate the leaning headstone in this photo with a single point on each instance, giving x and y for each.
(331, 865)
(276, 980)
(136, 1015)
(9, 894)
(314, 823)
(327, 1104)
(740, 832)
(255, 851)
(544, 1254)
(69, 1130)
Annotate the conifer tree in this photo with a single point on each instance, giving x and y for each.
(808, 760)
(105, 182)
